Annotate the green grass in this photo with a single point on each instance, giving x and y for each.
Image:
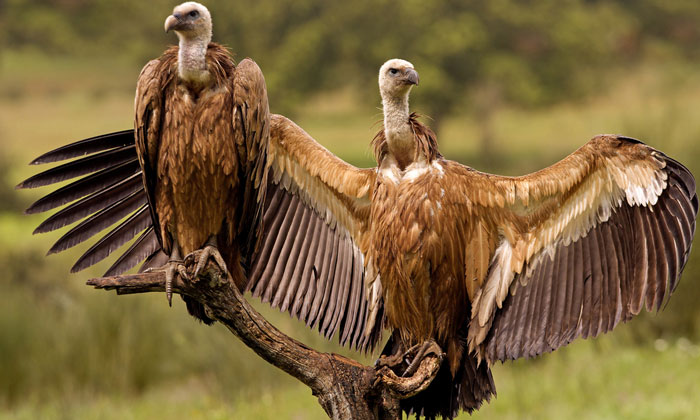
(589, 380)
(67, 351)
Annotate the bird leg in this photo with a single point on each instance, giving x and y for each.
(174, 266)
(210, 250)
(428, 347)
(417, 376)
(395, 359)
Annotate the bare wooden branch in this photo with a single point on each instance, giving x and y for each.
(344, 388)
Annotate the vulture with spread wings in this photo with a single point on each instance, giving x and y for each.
(488, 267)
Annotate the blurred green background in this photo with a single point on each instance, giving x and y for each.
(510, 86)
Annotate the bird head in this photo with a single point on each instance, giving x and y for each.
(396, 78)
(190, 20)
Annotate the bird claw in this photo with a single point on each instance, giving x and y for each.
(172, 268)
(393, 363)
(202, 256)
(428, 347)
(382, 372)
(388, 361)
(394, 360)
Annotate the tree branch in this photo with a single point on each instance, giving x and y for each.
(344, 388)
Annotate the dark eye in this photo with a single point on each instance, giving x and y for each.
(194, 13)
(393, 71)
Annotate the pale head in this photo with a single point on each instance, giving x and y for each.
(190, 21)
(396, 78)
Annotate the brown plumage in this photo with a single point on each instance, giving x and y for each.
(491, 267)
(201, 134)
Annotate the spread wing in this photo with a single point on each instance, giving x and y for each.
(310, 261)
(581, 245)
(110, 190)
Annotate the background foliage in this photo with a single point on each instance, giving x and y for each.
(512, 86)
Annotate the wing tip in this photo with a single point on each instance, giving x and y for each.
(27, 184)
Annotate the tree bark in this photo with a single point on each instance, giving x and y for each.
(344, 388)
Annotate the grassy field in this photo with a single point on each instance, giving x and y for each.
(69, 352)
(588, 380)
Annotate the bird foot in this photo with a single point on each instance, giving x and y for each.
(428, 347)
(419, 374)
(395, 360)
(202, 256)
(172, 268)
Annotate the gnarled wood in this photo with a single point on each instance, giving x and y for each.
(345, 388)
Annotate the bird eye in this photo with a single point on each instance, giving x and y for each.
(393, 71)
(194, 13)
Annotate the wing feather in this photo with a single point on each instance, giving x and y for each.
(590, 240)
(302, 272)
(110, 191)
(588, 296)
(324, 273)
(99, 221)
(144, 246)
(99, 200)
(82, 166)
(251, 115)
(127, 230)
(98, 181)
(302, 225)
(310, 258)
(88, 146)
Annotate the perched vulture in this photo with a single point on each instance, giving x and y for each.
(489, 267)
(193, 178)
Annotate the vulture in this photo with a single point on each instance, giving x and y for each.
(490, 268)
(189, 176)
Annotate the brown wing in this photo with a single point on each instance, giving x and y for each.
(111, 191)
(581, 246)
(149, 104)
(310, 261)
(251, 118)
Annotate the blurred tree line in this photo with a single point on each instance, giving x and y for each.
(474, 54)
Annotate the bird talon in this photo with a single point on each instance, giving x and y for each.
(190, 259)
(174, 266)
(182, 271)
(207, 252)
(428, 347)
(388, 361)
(381, 373)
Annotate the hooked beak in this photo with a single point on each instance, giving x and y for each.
(173, 22)
(412, 77)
